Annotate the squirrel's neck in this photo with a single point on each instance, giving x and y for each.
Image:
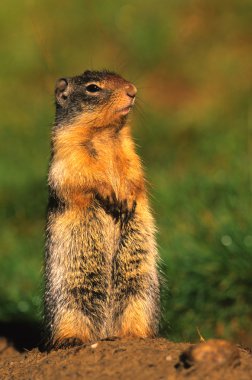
(74, 136)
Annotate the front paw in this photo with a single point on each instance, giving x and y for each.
(120, 210)
(110, 204)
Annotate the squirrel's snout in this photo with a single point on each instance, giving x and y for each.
(131, 90)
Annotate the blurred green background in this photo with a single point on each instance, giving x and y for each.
(192, 64)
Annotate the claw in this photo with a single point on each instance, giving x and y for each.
(133, 207)
(124, 205)
(114, 197)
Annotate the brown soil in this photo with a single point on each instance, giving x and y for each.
(129, 359)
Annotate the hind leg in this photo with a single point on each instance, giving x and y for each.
(136, 287)
(77, 275)
(136, 319)
(72, 329)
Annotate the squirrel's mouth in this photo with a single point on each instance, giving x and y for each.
(125, 110)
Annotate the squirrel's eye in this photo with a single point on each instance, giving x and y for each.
(93, 88)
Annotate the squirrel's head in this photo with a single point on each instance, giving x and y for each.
(95, 98)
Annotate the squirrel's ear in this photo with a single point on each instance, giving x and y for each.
(62, 91)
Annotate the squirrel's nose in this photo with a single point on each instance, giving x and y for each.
(131, 90)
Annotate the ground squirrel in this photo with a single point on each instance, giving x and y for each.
(101, 275)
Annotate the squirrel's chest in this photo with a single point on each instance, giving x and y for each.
(116, 169)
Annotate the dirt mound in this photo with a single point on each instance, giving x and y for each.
(129, 359)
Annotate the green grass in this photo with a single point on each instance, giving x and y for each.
(192, 64)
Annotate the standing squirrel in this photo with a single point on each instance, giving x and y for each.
(101, 275)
